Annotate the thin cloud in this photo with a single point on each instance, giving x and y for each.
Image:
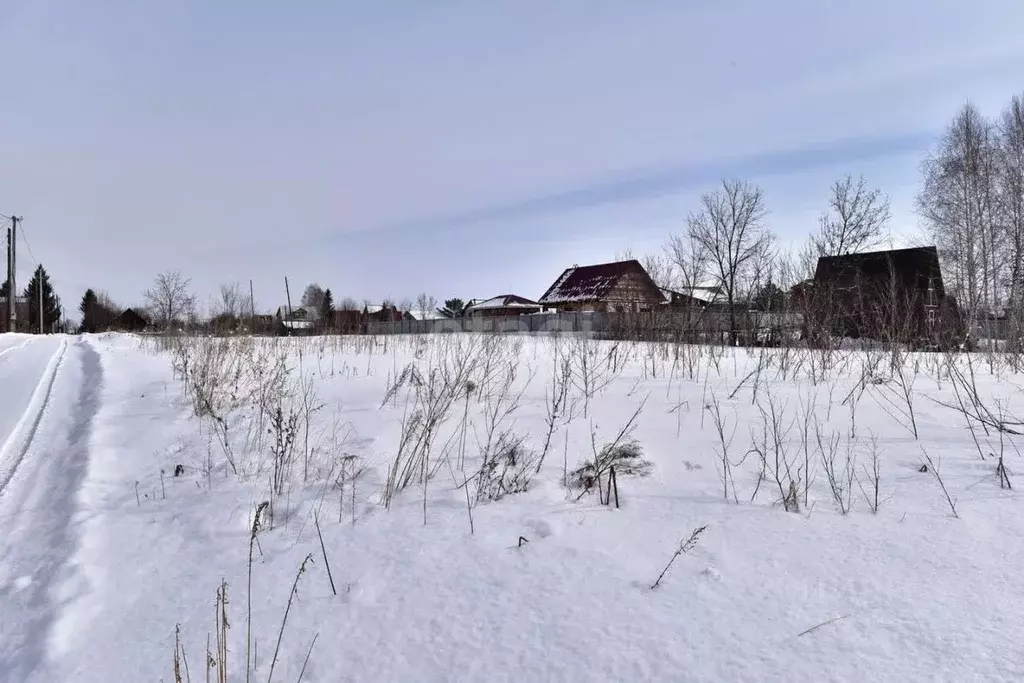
(641, 184)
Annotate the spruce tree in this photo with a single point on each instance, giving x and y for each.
(453, 308)
(327, 309)
(89, 308)
(51, 303)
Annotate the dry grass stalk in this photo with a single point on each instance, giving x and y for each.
(685, 546)
(284, 620)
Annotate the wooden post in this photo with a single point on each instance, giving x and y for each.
(288, 293)
(39, 286)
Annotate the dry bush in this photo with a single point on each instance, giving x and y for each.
(508, 468)
(724, 464)
(626, 457)
(771, 445)
(594, 367)
(873, 477)
(559, 404)
(839, 466)
(452, 366)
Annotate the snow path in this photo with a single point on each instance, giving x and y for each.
(46, 425)
(19, 436)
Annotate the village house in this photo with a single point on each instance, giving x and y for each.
(130, 320)
(619, 287)
(386, 313)
(694, 297)
(894, 294)
(293, 320)
(21, 313)
(502, 306)
(347, 322)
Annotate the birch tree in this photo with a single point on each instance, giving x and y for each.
(1010, 180)
(730, 230)
(957, 205)
(855, 220)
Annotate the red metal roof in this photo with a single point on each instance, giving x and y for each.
(591, 283)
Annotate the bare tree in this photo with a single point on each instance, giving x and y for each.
(425, 304)
(169, 300)
(348, 303)
(313, 296)
(231, 306)
(855, 220)
(730, 230)
(689, 261)
(659, 267)
(1011, 200)
(957, 203)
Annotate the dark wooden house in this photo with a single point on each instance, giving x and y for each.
(347, 322)
(622, 286)
(386, 313)
(130, 320)
(895, 295)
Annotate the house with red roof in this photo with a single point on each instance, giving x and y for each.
(622, 286)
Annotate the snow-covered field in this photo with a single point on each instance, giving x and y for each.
(108, 548)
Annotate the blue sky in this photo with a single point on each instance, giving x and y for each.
(454, 147)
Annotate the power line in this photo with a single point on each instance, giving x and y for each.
(24, 239)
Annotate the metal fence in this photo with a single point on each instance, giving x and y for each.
(651, 324)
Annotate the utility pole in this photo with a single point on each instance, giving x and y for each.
(8, 322)
(252, 310)
(12, 293)
(12, 265)
(39, 286)
(288, 293)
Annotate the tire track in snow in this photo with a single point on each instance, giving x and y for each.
(20, 438)
(11, 349)
(38, 580)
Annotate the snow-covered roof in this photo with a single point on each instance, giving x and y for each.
(591, 283)
(708, 295)
(503, 301)
(311, 313)
(426, 315)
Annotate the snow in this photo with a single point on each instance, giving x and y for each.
(103, 550)
(503, 301)
(427, 315)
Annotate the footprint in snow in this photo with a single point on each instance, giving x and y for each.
(711, 573)
(541, 527)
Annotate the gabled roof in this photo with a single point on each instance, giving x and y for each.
(503, 301)
(708, 295)
(426, 315)
(311, 312)
(917, 264)
(592, 283)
